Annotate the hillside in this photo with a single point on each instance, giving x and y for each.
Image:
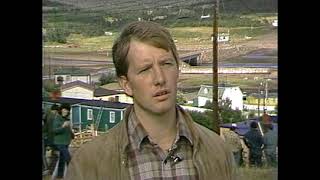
(130, 5)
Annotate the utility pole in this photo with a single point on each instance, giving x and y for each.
(216, 120)
(266, 94)
(259, 102)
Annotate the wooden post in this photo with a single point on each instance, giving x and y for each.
(216, 120)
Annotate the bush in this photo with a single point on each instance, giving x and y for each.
(180, 98)
(205, 119)
(56, 35)
(107, 78)
(228, 115)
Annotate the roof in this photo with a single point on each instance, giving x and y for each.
(77, 83)
(61, 100)
(96, 103)
(105, 92)
(106, 104)
(206, 90)
(257, 95)
(244, 126)
(72, 71)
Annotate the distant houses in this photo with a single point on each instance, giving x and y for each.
(255, 101)
(233, 93)
(81, 90)
(222, 37)
(67, 75)
(64, 76)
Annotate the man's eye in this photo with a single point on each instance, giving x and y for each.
(169, 63)
(144, 69)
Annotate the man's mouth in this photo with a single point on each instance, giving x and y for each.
(161, 93)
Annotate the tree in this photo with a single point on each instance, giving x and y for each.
(107, 78)
(203, 118)
(50, 89)
(228, 115)
(180, 98)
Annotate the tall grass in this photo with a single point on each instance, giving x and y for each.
(246, 173)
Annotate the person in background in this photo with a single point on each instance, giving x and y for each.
(62, 138)
(270, 141)
(253, 140)
(48, 136)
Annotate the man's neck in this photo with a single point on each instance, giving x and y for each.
(161, 128)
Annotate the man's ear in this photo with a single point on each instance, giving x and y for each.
(125, 85)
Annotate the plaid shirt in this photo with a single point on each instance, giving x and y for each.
(146, 160)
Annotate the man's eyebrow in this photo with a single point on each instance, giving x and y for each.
(166, 58)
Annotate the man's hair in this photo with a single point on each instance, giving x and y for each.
(65, 106)
(55, 107)
(147, 32)
(253, 124)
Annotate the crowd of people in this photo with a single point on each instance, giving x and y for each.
(259, 141)
(57, 136)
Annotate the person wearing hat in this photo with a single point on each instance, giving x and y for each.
(253, 140)
(62, 139)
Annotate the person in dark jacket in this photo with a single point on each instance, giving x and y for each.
(270, 141)
(253, 140)
(63, 137)
(48, 135)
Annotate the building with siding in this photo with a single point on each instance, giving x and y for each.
(233, 93)
(86, 112)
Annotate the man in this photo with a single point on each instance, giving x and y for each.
(254, 142)
(62, 138)
(156, 139)
(270, 141)
(233, 140)
(48, 136)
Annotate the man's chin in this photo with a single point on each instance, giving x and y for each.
(162, 107)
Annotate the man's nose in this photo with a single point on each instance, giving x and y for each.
(158, 76)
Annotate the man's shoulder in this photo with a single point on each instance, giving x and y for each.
(107, 141)
(208, 136)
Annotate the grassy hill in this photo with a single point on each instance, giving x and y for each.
(92, 18)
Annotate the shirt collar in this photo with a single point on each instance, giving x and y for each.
(137, 133)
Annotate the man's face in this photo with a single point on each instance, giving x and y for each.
(152, 78)
(64, 112)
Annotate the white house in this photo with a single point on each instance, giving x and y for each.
(205, 17)
(81, 90)
(77, 89)
(233, 93)
(71, 75)
(222, 37)
(275, 23)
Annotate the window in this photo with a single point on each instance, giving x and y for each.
(112, 118)
(89, 114)
(68, 78)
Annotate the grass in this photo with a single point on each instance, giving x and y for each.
(188, 37)
(245, 81)
(246, 173)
